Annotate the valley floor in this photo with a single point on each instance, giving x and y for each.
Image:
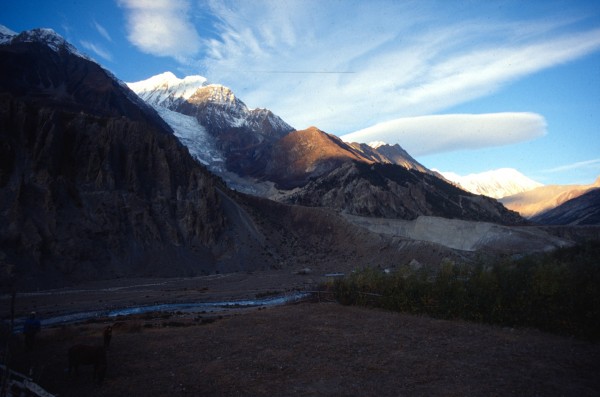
(311, 349)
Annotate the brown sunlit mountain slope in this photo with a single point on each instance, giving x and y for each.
(581, 210)
(305, 154)
(544, 198)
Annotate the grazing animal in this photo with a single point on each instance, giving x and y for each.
(88, 355)
(107, 334)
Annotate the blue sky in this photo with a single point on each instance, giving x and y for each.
(464, 86)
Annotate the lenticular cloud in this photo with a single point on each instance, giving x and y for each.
(161, 28)
(451, 132)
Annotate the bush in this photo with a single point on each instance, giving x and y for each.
(556, 292)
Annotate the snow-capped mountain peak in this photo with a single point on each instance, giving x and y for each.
(214, 105)
(495, 183)
(166, 89)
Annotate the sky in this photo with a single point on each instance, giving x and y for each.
(464, 86)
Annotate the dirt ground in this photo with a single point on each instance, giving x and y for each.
(306, 349)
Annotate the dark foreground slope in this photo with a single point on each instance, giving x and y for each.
(320, 350)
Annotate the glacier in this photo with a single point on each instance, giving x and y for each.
(193, 135)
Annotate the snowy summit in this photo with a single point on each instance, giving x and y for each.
(165, 88)
(496, 183)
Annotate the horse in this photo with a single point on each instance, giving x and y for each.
(107, 334)
(88, 355)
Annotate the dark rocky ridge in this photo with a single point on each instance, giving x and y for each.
(392, 191)
(382, 182)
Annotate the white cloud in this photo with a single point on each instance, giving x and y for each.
(103, 32)
(162, 28)
(345, 66)
(96, 49)
(425, 135)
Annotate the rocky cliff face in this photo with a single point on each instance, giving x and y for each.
(93, 183)
(243, 136)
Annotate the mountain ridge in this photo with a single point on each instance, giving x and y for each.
(391, 191)
(159, 91)
(295, 160)
(176, 94)
(165, 89)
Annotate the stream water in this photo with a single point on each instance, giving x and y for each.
(189, 307)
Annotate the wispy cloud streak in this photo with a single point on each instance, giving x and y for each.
(589, 164)
(96, 49)
(103, 32)
(385, 60)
